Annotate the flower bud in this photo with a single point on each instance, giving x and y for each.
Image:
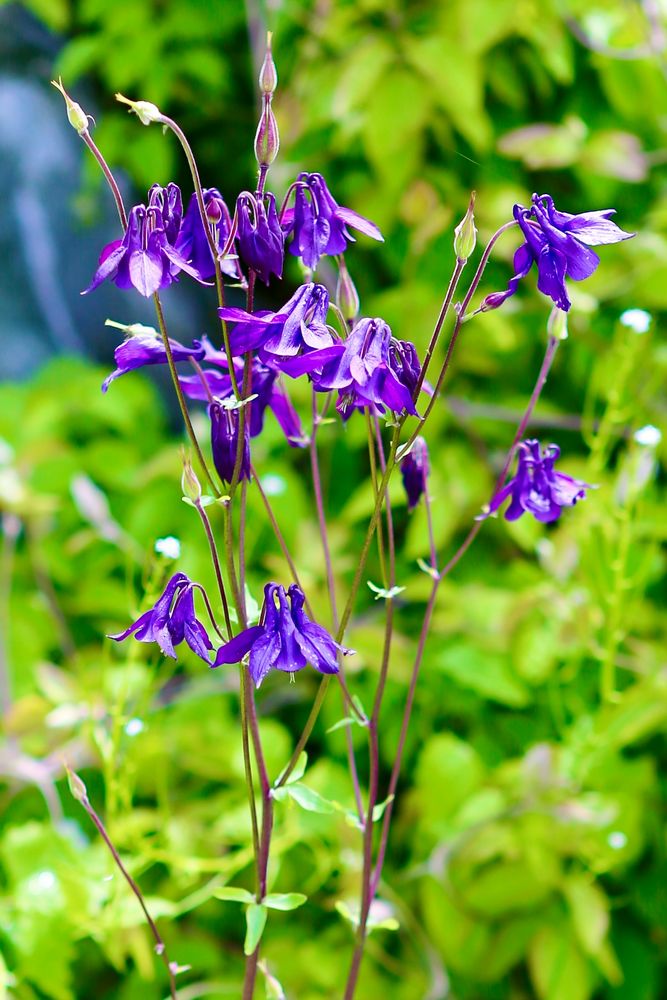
(78, 118)
(214, 210)
(144, 110)
(268, 75)
(189, 483)
(267, 140)
(465, 234)
(77, 787)
(557, 324)
(347, 297)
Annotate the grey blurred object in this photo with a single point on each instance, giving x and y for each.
(48, 253)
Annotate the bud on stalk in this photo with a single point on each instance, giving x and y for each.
(268, 75)
(267, 140)
(465, 234)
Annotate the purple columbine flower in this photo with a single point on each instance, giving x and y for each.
(287, 640)
(260, 239)
(319, 224)
(537, 487)
(559, 243)
(371, 368)
(145, 347)
(265, 385)
(172, 620)
(415, 470)
(300, 325)
(192, 243)
(145, 259)
(225, 430)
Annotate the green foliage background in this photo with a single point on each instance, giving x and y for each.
(527, 856)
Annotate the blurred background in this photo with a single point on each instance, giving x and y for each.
(528, 856)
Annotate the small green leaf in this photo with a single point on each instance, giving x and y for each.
(380, 592)
(428, 569)
(347, 914)
(255, 918)
(305, 797)
(297, 773)
(232, 894)
(379, 809)
(351, 720)
(284, 900)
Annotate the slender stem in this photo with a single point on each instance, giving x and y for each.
(307, 729)
(373, 784)
(547, 362)
(321, 516)
(457, 329)
(347, 611)
(160, 947)
(265, 838)
(115, 190)
(215, 251)
(216, 564)
(244, 721)
(247, 766)
(179, 394)
(239, 602)
(331, 587)
(447, 301)
(374, 482)
(279, 535)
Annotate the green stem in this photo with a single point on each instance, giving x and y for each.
(179, 394)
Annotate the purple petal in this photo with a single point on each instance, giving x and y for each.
(365, 226)
(146, 272)
(234, 650)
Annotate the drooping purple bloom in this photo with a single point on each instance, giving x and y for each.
(287, 640)
(415, 470)
(371, 368)
(559, 243)
(192, 243)
(537, 488)
(171, 620)
(144, 259)
(265, 386)
(225, 431)
(299, 325)
(319, 224)
(145, 347)
(261, 241)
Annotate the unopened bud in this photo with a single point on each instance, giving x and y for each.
(267, 140)
(557, 324)
(214, 210)
(465, 234)
(144, 110)
(189, 483)
(268, 75)
(77, 117)
(77, 787)
(347, 297)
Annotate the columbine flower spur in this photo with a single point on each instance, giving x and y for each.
(537, 488)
